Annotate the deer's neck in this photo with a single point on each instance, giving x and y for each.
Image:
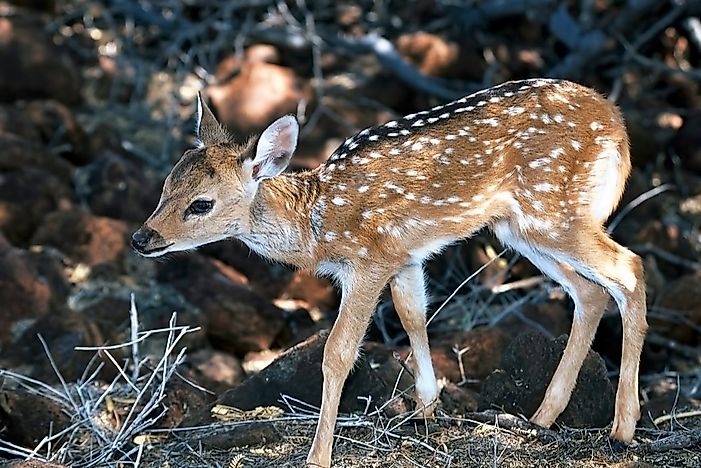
(281, 226)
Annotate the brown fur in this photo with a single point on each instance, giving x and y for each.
(541, 162)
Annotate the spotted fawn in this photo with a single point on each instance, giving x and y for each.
(542, 163)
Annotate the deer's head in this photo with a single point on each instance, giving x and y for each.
(209, 193)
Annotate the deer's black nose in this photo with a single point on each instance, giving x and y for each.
(141, 238)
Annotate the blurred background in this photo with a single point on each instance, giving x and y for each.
(97, 103)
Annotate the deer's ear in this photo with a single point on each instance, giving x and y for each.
(275, 148)
(208, 130)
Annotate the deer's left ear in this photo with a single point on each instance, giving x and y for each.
(209, 130)
(275, 148)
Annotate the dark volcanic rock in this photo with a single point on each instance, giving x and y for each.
(26, 196)
(31, 285)
(680, 302)
(57, 126)
(529, 363)
(118, 188)
(482, 352)
(28, 418)
(237, 319)
(264, 277)
(297, 373)
(32, 65)
(63, 331)
(19, 153)
(687, 142)
(83, 237)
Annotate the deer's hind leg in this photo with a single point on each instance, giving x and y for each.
(620, 271)
(590, 301)
(409, 297)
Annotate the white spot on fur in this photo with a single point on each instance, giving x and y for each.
(329, 236)
(339, 201)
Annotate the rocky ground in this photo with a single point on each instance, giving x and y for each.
(212, 358)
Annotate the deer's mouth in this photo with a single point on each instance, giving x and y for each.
(155, 251)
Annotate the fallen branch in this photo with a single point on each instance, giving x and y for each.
(678, 440)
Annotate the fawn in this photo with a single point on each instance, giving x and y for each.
(541, 162)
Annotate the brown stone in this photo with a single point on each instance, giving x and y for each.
(687, 142)
(458, 400)
(27, 418)
(526, 369)
(552, 317)
(26, 196)
(429, 53)
(267, 278)
(315, 292)
(297, 373)
(57, 126)
(16, 122)
(238, 320)
(483, 349)
(679, 303)
(31, 285)
(259, 94)
(63, 331)
(83, 237)
(19, 153)
(33, 66)
(119, 188)
(215, 370)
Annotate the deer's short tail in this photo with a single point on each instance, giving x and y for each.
(609, 175)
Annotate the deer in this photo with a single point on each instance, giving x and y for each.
(542, 163)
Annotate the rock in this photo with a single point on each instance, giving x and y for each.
(27, 418)
(116, 187)
(259, 94)
(483, 349)
(19, 153)
(26, 196)
(83, 237)
(315, 292)
(436, 56)
(16, 122)
(215, 370)
(57, 126)
(458, 400)
(669, 402)
(237, 319)
(252, 433)
(230, 65)
(529, 363)
(297, 373)
(551, 316)
(31, 285)
(183, 400)
(33, 66)
(679, 302)
(269, 279)
(687, 142)
(63, 331)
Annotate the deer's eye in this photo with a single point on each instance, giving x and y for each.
(200, 207)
